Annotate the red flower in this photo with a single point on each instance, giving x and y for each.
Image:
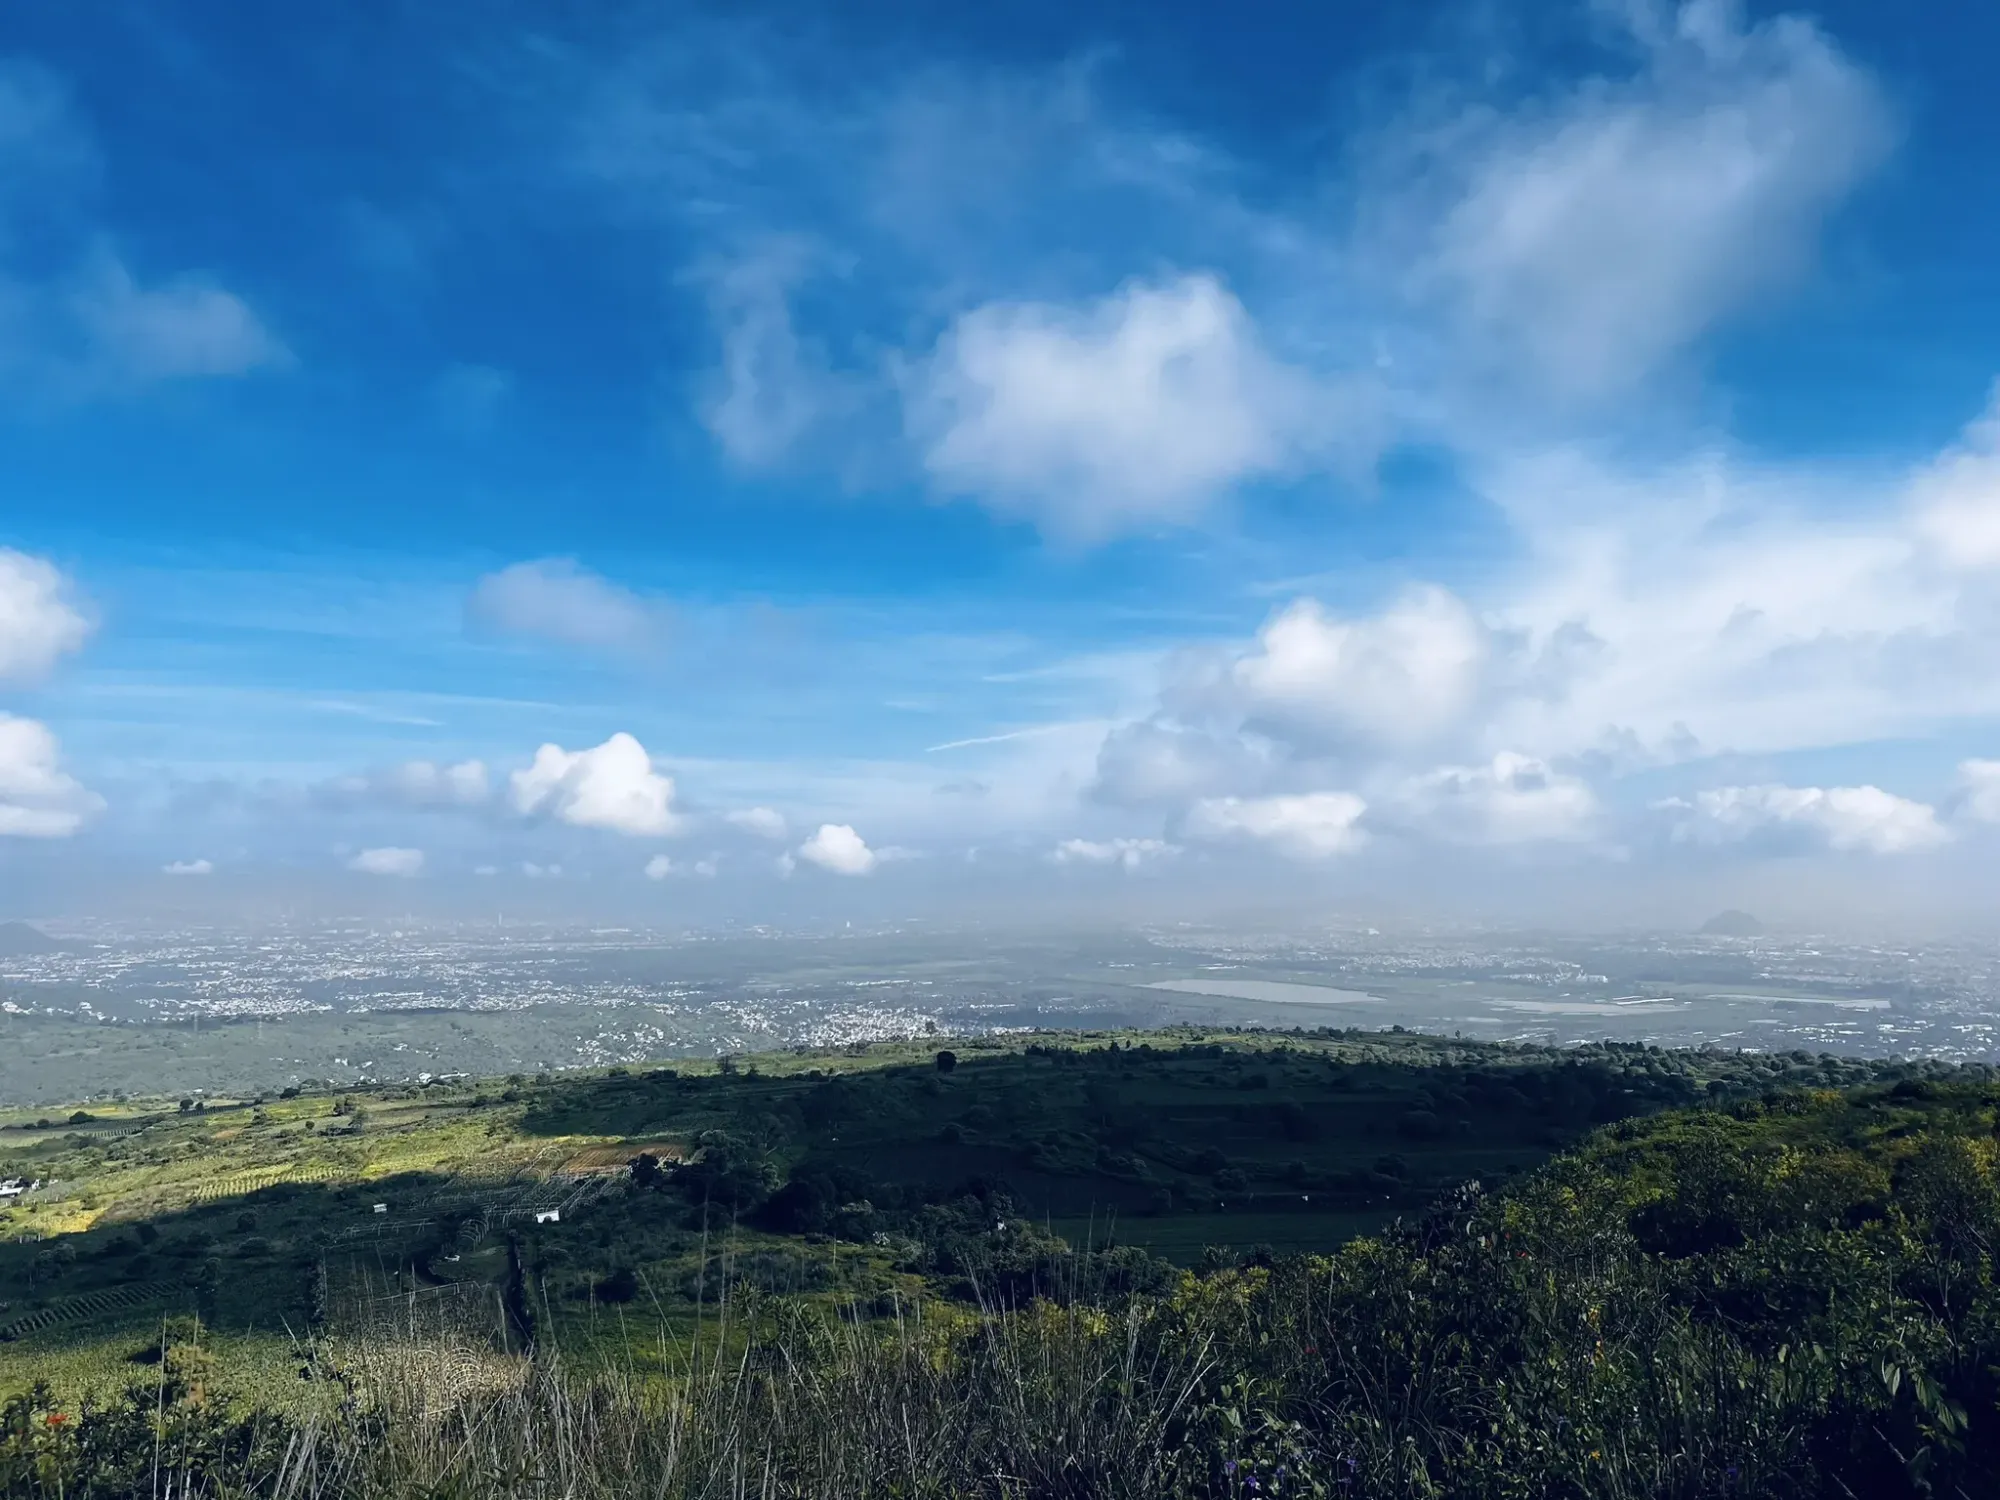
(56, 1418)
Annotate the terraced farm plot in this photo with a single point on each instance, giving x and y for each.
(86, 1305)
(243, 1184)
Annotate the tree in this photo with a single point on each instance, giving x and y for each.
(186, 1105)
(947, 1060)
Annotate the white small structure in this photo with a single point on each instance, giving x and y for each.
(548, 1216)
(381, 1208)
(13, 1187)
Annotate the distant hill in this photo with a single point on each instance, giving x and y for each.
(18, 938)
(1732, 924)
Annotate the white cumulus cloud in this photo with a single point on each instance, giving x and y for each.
(659, 867)
(838, 848)
(1511, 799)
(189, 867)
(1399, 677)
(388, 861)
(611, 786)
(1714, 606)
(1720, 606)
(38, 799)
(1139, 410)
(39, 621)
(1863, 818)
(1307, 825)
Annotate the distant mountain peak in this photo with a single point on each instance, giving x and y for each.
(1732, 923)
(17, 938)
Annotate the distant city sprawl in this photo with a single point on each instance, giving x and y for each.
(100, 1011)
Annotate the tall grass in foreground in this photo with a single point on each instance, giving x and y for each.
(1701, 1308)
(1047, 1402)
(1243, 1383)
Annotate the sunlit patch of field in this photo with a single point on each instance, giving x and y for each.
(261, 1368)
(73, 1216)
(243, 1184)
(614, 1156)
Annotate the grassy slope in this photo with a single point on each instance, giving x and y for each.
(1173, 1141)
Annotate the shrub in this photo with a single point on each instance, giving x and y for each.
(622, 1285)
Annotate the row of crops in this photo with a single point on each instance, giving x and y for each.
(242, 1184)
(85, 1305)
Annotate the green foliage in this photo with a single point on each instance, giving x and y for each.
(805, 1286)
(171, 1435)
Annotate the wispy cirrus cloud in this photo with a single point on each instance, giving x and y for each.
(88, 325)
(558, 599)
(1590, 233)
(182, 328)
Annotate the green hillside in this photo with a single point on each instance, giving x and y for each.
(1174, 1263)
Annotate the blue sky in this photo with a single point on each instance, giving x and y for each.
(813, 459)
